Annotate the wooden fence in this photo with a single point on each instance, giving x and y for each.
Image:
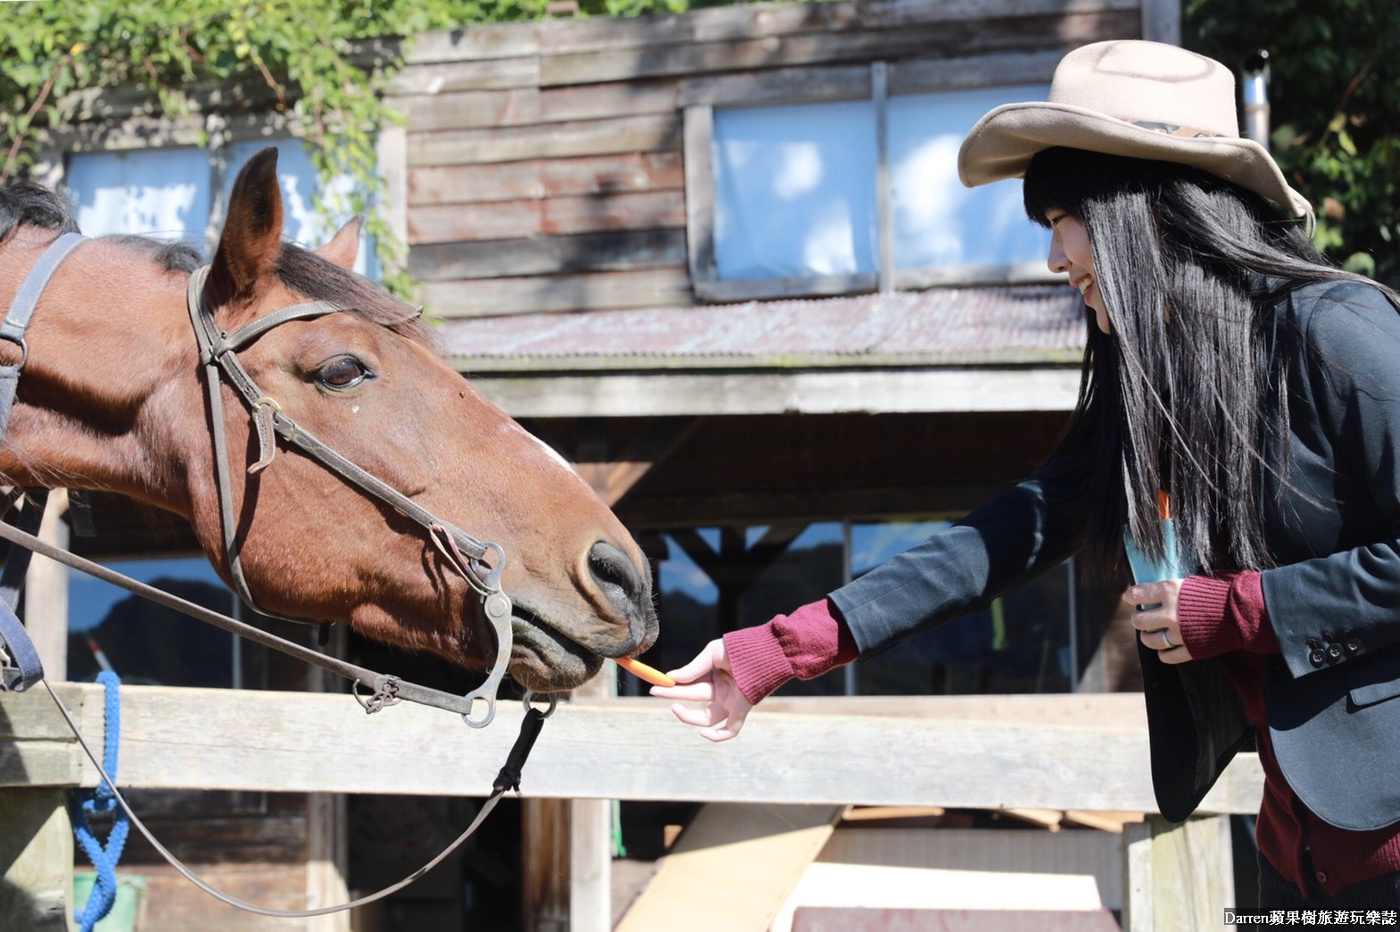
(1068, 753)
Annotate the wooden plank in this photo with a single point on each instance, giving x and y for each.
(554, 216)
(774, 20)
(732, 868)
(463, 75)
(254, 739)
(781, 85)
(628, 172)
(474, 43)
(598, 101)
(645, 288)
(917, 75)
(518, 106)
(953, 38)
(642, 133)
(548, 255)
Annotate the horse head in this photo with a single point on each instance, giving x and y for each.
(112, 398)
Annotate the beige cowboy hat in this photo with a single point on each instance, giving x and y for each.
(1139, 99)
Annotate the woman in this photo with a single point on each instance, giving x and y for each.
(1231, 368)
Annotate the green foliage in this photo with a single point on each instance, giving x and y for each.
(1335, 106)
(305, 59)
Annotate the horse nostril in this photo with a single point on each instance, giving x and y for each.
(615, 574)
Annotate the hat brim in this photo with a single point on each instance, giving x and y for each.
(1003, 142)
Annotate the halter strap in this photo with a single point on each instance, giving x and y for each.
(21, 309)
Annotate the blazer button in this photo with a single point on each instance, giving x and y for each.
(1321, 877)
(1317, 658)
(1334, 650)
(1353, 645)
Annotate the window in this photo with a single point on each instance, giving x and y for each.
(169, 193)
(859, 191)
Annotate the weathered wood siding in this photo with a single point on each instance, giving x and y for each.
(544, 161)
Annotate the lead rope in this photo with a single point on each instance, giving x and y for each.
(104, 857)
(508, 779)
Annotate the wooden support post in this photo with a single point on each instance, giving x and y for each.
(36, 859)
(1177, 877)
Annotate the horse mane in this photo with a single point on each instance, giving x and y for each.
(25, 203)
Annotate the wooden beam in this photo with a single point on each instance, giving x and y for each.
(1177, 876)
(628, 749)
(36, 859)
(809, 391)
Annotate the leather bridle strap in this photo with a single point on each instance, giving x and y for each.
(21, 309)
(219, 357)
(387, 689)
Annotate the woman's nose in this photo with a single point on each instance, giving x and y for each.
(1056, 260)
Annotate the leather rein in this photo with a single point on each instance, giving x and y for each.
(218, 353)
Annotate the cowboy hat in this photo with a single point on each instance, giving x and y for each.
(1132, 98)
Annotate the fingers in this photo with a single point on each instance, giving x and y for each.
(711, 658)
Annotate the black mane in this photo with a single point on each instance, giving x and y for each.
(27, 203)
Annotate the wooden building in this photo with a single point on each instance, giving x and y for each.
(721, 262)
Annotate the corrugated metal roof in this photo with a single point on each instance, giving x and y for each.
(945, 326)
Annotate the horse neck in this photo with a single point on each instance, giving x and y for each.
(110, 347)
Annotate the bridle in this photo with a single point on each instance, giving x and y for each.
(219, 360)
(218, 354)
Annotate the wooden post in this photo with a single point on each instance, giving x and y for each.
(1177, 877)
(36, 859)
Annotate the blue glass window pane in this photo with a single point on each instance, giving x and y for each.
(794, 190)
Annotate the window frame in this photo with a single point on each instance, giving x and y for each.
(877, 82)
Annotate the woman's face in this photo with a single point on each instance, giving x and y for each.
(1069, 253)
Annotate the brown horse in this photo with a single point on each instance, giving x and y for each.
(111, 398)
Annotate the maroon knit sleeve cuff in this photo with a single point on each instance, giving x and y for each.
(1200, 611)
(757, 660)
(1224, 613)
(805, 644)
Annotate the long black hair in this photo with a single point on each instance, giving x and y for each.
(1180, 397)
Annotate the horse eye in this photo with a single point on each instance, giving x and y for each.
(342, 372)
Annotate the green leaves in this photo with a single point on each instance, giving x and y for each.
(1335, 107)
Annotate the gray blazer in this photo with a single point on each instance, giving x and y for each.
(1334, 598)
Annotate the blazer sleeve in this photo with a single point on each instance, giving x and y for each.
(1015, 535)
(1341, 604)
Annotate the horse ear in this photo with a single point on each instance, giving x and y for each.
(344, 245)
(252, 235)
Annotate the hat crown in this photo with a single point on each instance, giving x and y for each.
(1150, 84)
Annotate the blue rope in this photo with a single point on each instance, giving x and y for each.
(102, 799)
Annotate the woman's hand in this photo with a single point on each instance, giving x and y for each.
(707, 679)
(1154, 616)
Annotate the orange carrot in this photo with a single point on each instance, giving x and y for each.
(643, 672)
